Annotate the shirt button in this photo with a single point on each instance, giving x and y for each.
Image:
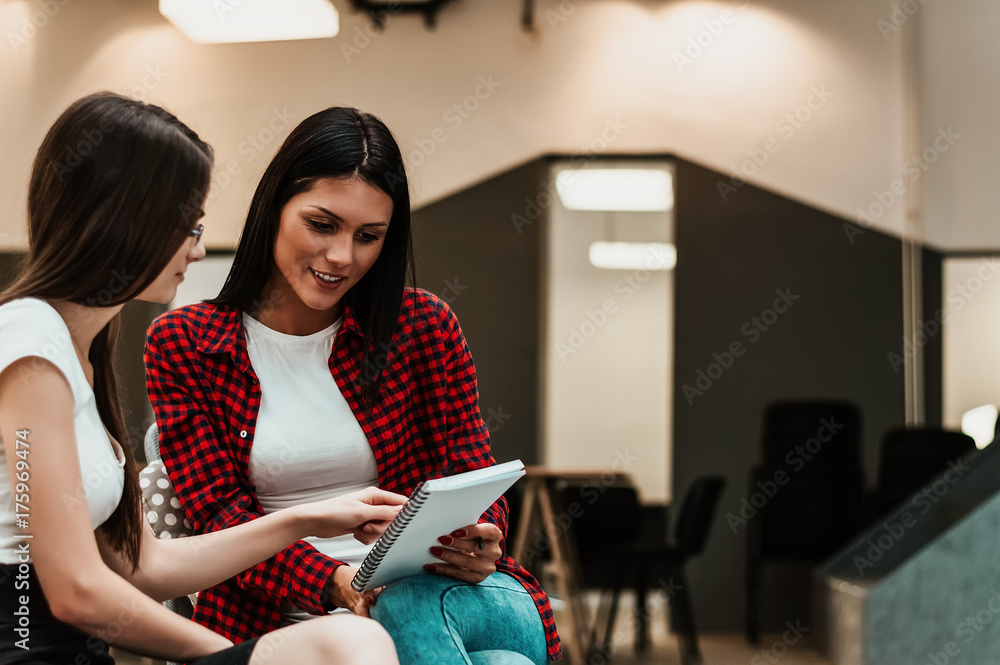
(243, 434)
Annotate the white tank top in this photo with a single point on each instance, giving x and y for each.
(31, 327)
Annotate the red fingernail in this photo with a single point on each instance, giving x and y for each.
(437, 551)
(459, 533)
(369, 600)
(430, 568)
(445, 540)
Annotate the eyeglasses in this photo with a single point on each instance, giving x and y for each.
(197, 231)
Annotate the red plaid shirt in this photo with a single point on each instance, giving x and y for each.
(207, 397)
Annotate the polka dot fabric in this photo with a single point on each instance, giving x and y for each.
(163, 510)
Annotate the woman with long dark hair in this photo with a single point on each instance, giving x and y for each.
(318, 370)
(114, 199)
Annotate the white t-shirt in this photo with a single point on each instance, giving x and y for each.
(308, 445)
(30, 327)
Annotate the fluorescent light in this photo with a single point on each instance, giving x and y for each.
(616, 189)
(979, 423)
(633, 255)
(227, 21)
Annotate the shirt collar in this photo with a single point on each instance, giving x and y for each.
(350, 322)
(220, 333)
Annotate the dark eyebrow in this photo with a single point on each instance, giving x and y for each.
(338, 218)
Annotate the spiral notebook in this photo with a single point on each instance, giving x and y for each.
(436, 508)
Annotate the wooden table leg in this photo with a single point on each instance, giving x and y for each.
(526, 520)
(567, 576)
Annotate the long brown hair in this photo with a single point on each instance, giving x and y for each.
(112, 196)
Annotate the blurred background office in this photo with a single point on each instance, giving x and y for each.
(804, 229)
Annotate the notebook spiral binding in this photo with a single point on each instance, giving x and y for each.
(386, 540)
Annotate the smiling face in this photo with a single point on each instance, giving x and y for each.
(329, 236)
(164, 287)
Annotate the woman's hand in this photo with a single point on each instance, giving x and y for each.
(342, 594)
(469, 554)
(365, 513)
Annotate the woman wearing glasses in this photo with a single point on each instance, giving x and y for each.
(316, 371)
(79, 566)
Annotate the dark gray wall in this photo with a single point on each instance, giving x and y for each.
(733, 256)
(468, 251)
(833, 342)
(9, 264)
(136, 317)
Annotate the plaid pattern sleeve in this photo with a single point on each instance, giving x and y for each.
(209, 474)
(425, 424)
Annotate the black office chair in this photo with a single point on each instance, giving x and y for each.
(648, 558)
(817, 445)
(909, 457)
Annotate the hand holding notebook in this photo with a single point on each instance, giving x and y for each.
(437, 507)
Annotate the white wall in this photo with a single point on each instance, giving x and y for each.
(961, 89)
(971, 310)
(204, 280)
(608, 349)
(587, 65)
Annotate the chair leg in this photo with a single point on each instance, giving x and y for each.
(680, 603)
(605, 605)
(641, 616)
(752, 590)
(605, 646)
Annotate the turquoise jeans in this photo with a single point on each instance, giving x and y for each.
(439, 620)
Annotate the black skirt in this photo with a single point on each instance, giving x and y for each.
(30, 635)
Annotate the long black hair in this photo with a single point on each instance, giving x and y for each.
(339, 142)
(112, 196)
